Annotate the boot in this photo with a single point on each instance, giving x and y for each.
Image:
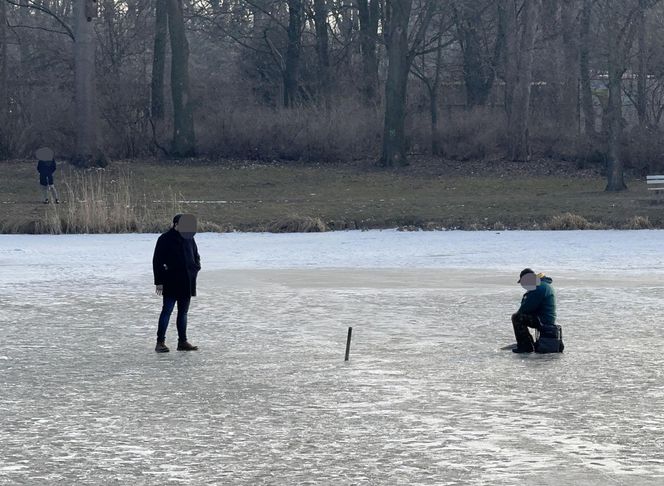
(161, 347)
(521, 350)
(186, 346)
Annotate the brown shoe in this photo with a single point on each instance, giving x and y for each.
(161, 347)
(186, 346)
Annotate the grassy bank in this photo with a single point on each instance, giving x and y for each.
(235, 195)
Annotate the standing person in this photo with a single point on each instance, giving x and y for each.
(176, 264)
(537, 310)
(46, 167)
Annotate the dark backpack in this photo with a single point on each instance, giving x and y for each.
(550, 340)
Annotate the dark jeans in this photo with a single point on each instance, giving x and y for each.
(181, 321)
(521, 323)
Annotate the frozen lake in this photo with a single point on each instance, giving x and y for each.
(428, 397)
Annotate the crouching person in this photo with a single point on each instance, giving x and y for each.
(537, 311)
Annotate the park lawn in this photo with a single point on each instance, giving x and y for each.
(250, 196)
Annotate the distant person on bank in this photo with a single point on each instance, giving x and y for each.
(537, 310)
(175, 265)
(46, 167)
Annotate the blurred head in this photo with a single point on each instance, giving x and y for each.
(44, 153)
(185, 224)
(528, 279)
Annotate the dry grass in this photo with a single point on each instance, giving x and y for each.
(297, 224)
(638, 223)
(571, 221)
(100, 203)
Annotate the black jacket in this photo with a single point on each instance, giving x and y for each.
(46, 169)
(176, 264)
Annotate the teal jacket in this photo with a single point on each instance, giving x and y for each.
(541, 302)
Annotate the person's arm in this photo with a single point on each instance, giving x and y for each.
(158, 263)
(197, 257)
(531, 301)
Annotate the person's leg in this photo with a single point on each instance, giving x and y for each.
(55, 192)
(524, 340)
(44, 191)
(164, 317)
(183, 309)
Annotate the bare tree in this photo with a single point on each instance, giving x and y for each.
(428, 68)
(184, 142)
(292, 61)
(560, 31)
(642, 56)
(479, 56)
(520, 26)
(87, 148)
(159, 59)
(585, 36)
(369, 13)
(322, 47)
(569, 89)
(397, 18)
(4, 96)
(618, 21)
(3, 63)
(400, 52)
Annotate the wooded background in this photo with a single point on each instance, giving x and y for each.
(328, 80)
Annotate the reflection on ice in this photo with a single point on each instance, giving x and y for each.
(427, 397)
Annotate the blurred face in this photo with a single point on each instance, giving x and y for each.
(186, 226)
(44, 153)
(530, 281)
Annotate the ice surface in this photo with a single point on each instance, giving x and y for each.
(427, 397)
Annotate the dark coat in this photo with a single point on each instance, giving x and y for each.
(541, 302)
(176, 264)
(46, 169)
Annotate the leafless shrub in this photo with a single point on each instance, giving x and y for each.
(638, 223)
(469, 135)
(297, 224)
(343, 132)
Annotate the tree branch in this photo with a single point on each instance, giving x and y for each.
(45, 10)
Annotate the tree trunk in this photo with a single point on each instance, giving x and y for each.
(569, 92)
(394, 138)
(551, 32)
(478, 75)
(4, 98)
(292, 52)
(433, 109)
(369, 13)
(184, 142)
(322, 48)
(584, 66)
(433, 95)
(87, 151)
(159, 59)
(643, 70)
(614, 164)
(520, 40)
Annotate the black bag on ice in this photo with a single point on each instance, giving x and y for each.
(550, 340)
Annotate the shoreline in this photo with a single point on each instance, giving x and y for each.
(227, 196)
(295, 226)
